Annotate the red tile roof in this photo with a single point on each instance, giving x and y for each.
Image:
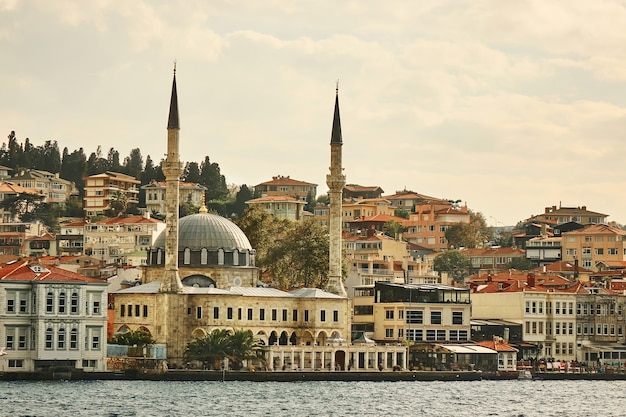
(23, 271)
(497, 346)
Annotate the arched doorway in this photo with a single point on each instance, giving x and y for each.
(273, 339)
(283, 339)
(340, 360)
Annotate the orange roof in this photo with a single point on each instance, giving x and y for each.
(497, 346)
(492, 251)
(128, 220)
(280, 180)
(562, 266)
(271, 198)
(23, 271)
(597, 229)
(7, 187)
(378, 218)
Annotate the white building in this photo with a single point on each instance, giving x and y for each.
(51, 319)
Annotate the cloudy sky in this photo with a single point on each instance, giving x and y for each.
(508, 105)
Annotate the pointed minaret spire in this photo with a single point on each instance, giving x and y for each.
(335, 181)
(172, 169)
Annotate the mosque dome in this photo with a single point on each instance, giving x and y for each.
(204, 230)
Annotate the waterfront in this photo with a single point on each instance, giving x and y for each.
(169, 398)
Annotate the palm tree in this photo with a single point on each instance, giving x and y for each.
(243, 346)
(210, 349)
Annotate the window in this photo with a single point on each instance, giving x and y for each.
(229, 313)
(21, 339)
(363, 310)
(10, 339)
(414, 334)
(323, 315)
(284, 314)
(61, 339)
(250, 314)
(49, 303)
(16, 363)
(306, 315)
(388, 314)
(74, 339)
(557, 308)
(431, 335)
(145, 311)
(216, 313)
(62, 303)
(389, 333)
(335, 315)
(10, 305)
(599, 251)
(95, 342)
(130, 310)
(414, 317)
(239, 313)
(435, 317)
(612, 251)
(440, 335)
(261, 314)
(274, 314)
(49, 336)
(74, 303)
(457, 317)
(294, 315)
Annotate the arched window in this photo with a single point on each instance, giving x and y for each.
(246, 257)
(61, 339)
(62, 303)
(187, 256)
(50, 303)
(204, 255)
(49, 337)
(74, 303)
(74, 339)
(220, 256)
(235, 257)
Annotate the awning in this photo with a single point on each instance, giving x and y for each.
(469, 349)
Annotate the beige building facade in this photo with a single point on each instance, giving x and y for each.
(101, 189)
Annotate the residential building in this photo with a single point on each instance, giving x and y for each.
(367, 207)
(51, 319)
(13, 238)
(42, 245)
(101, 189)
(111, 239)
(47, 184)
(544, 305)
(494, 258)
(353, 191)
(280, 185)
(189, 192)
(370, 225)
(71, 238)
(544, 250)
(421, 313)
(559, 215)
(10, 190)
(280, 206)
(5, 172)
(593, 244)
(430, 219)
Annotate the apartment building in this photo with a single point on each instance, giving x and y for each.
(494, 258)
(546, 306)
(112, 239)
(10, 190)
(594, 243)
(71, 239)
(51, 318)
(428, 224)
(280, 185)
(280, 206)
(560, 215)
(101, 189)
(189, 192)
(47, 184)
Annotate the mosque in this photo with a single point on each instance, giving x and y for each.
(201, 276)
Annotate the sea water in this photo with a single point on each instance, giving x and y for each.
(416, 398)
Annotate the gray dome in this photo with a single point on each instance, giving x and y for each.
(206, 230)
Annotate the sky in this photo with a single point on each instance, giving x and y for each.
(510, 106)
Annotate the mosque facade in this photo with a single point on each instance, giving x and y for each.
(201, 276)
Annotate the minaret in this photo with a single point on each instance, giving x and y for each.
(335, 181)
(172, 169)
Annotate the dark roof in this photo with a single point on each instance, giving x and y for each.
(172, 122)
(336, 133)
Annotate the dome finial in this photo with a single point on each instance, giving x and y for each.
(203, 209)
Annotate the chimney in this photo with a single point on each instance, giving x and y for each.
(531, 280)
(576, 268)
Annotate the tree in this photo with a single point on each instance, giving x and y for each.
(119, 204)
(73, 168)
(73, 207)
(239, 206)
(211, 349)
(310, 202)
(47, 213)
(323, 200)
(262, 230)
(139, 338)
(191, 173)
(392, 228)
(504, 239)
(469, 235)
(213, 180)
(113, 161)
(301, 257)
(521, 264)
(21, 206)
(400, 212)
(133, 164)
(454, 263)
(243, 347)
